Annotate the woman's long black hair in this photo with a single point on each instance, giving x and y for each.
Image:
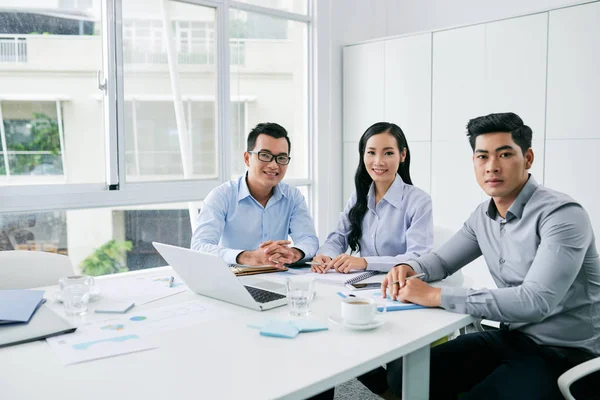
(362, 179)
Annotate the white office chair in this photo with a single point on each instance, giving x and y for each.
(29, 269)
(440, 236)
(569, 377)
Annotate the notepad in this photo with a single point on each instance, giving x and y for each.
(115, 307)
(19, 305)
(336, 278)
(286, 329)
(280, 329)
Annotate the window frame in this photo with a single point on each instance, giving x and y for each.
(116, 191)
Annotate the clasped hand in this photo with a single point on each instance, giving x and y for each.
(271, 252)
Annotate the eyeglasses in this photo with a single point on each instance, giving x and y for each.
(281, 159)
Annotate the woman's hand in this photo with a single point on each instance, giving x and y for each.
(323, 266)
(345, 263)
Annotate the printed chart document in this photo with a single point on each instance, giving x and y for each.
(106, 342)
(136, 332)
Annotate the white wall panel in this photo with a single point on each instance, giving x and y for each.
(420, 164)
(537, 169)
(349, 168)
(408, 85)
(573, 167)
(458, 80)
(363, 88)
(515, 69)
(573, 78)
(454, 190)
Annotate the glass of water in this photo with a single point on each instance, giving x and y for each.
(75, 298)
(300, 292)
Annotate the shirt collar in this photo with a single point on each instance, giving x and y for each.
(392, 196)
(244, 190)
(516, 208)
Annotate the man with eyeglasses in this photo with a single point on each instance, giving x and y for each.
(248, 220)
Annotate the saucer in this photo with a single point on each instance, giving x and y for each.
(377, 322)
(57, 296)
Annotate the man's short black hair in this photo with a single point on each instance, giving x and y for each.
(271, 129)
(503, 122)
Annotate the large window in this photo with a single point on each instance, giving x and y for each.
(117, 117)
(51, 124)
(32, 139)
(275, 74)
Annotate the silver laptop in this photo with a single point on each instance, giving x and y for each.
(210, 276)
(43, 324)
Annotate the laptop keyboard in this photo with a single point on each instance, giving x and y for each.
(263, 296)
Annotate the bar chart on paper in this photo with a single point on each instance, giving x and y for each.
(130, 334)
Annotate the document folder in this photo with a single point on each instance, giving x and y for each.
(243, 271)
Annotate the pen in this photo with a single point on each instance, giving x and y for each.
(416, 276)
(171, 280)
(410, 277)
(313, 263)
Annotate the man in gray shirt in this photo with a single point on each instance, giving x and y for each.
(540, 249)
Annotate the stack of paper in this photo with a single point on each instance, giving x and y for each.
(17, 306)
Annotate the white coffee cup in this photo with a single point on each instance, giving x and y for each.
(359, 310)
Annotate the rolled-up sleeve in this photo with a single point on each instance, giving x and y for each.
(565, 236)
(211, 222)
(419, 240)
(302, 228)
(461, 249)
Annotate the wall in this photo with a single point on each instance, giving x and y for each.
(553, 86)
(343, 22)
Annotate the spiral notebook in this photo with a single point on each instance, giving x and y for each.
(335, 278)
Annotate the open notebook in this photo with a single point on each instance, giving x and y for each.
(335, 278)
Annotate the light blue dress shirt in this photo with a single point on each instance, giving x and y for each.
(397, 229)
(232, 221)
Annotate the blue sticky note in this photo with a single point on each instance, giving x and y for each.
(279, 329)
(309, 325)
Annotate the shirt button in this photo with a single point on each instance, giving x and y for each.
(502, 230)
(502, 261)
(452, 306)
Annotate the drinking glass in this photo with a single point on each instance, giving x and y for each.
(75, 298)
(300, 291)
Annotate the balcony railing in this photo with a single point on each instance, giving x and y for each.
(13, 49)
(204, 56)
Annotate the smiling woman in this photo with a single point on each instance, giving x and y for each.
(387, 219)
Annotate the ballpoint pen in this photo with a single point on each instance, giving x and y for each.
(410, 277)
(416, 276)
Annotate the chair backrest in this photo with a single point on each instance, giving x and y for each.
(441, 235)
(29, 269)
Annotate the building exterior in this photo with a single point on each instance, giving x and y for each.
(53, 118)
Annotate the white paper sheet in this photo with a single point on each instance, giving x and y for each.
(82, 346)
(140, 289)
(135, 332)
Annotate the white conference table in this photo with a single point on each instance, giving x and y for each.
(224, 359)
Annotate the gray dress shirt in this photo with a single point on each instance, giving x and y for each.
(544, 261)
